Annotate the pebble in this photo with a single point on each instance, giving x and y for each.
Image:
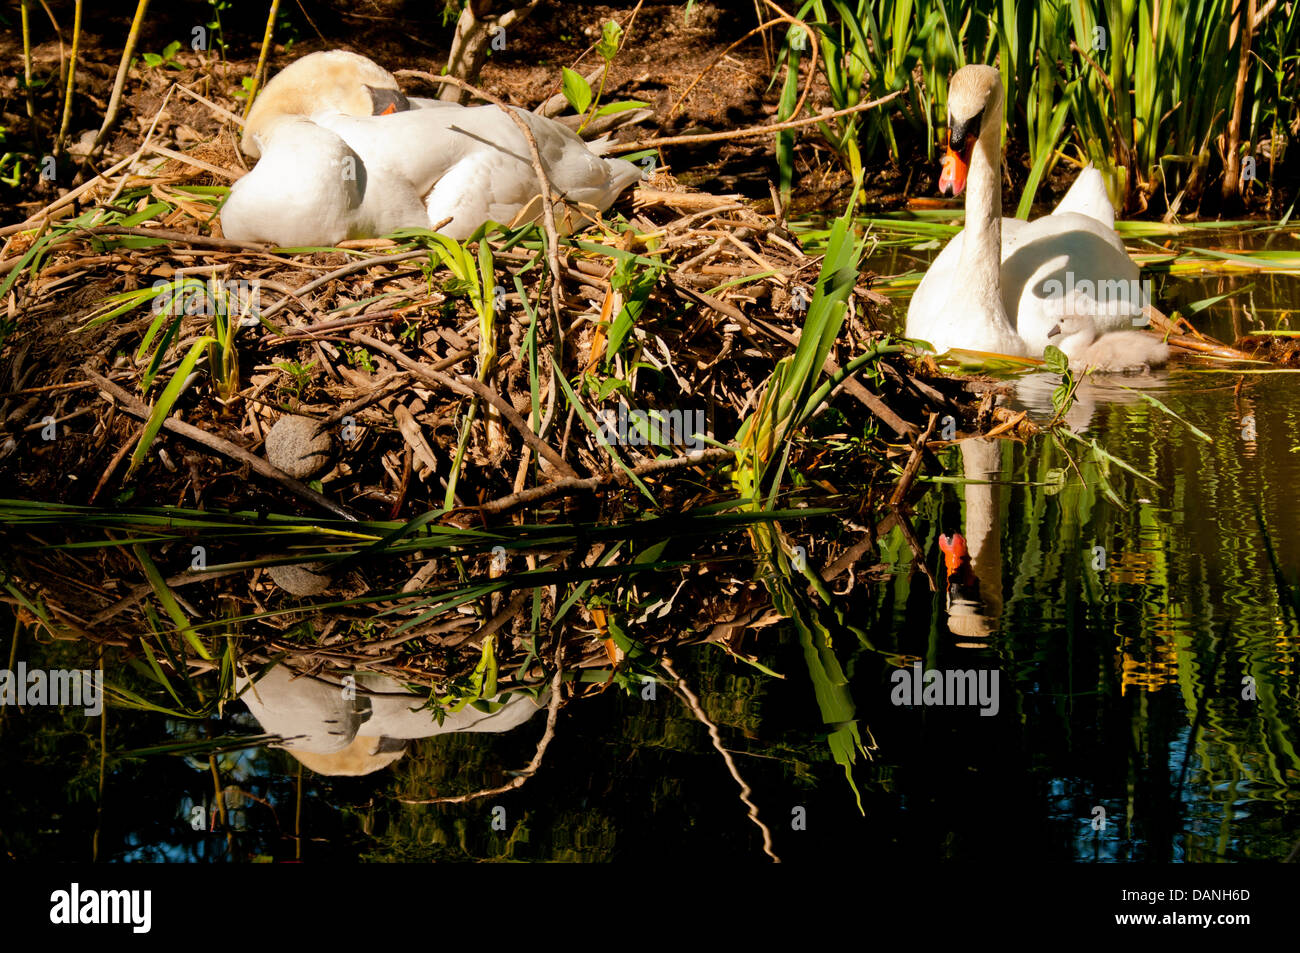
(295, 447)
(303, 579)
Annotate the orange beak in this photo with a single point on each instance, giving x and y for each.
(954, 167)
(954, 551)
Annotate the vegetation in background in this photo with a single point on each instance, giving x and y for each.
(1145, 90)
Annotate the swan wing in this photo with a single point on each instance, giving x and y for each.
(305, 190)
(418, 145)
(484, 187)
(473, 164)
(580, 173)
(1067, 263)
(1092, 272)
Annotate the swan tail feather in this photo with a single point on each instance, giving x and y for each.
(1088, 196)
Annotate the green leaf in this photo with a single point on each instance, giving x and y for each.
(636, 285)
(576, 90)
(1046, 152)
(1055, 360)
(591, 425)
(167, 400)
(168, 600)
(1196, 431)
(608, 386)
(153, 210)
(621, 106)
(611, 35)
(1060, 398)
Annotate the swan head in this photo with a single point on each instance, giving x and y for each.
(328, 81)
(1072, 334)
(963, 584)
(974, 99)
(1072, 324)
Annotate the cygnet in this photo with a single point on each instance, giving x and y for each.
(1117, 352)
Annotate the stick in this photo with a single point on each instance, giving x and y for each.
(27, 70)
(552, 715)
(261, 58)
(694, 704)
(471, 386)
(913, 464)
(128, 51)
(219, 110)
(548, 211)
(753, 130)
(197, 163)
(67, 199)
(72, 76)
(781, 17)
(347, 269)
(572, 487)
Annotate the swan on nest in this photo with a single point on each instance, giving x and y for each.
(343, 153)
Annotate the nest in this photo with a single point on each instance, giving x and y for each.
(671, 315)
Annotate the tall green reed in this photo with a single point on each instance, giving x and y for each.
(1143, 89)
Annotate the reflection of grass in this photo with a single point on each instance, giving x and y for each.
(1288, 592)
(171, 640)
(792, 395)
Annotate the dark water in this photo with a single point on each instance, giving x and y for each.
(1142, 641)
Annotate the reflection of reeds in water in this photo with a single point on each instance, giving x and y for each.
(790, 397)
(1151, 670)
(1130, 568)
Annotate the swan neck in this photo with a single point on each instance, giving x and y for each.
(1074, 345)
(983, 241)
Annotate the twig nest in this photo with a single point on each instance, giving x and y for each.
(303, 579)
(295, 446)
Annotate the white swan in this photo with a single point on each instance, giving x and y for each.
(338, 732)
(345, 155)
(1001, 284)
(1117, 352)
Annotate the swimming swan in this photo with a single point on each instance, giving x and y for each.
(338, 732)
(1115, 353)
(1002, 283)
(344, 154)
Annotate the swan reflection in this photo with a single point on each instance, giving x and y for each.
(360, 726)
